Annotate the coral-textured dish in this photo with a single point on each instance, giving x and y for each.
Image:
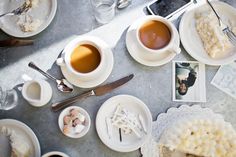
(202, 137)
(74, 122)
(191, 131)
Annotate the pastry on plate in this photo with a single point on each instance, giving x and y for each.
(200, 137)
(215, 42)
(19, 146)
(166, 152)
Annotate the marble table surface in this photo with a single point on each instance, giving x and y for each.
(153, 85)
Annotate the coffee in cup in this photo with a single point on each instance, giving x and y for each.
(85, 58)
(156, 37)
(154, 34)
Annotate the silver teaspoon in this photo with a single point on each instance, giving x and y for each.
(63, 85)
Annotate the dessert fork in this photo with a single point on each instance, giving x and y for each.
(23, 8)
(225, 29)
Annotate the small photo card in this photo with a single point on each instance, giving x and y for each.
(225, 79)
(189, 81)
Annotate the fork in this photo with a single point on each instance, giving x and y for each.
(23, 8)
(225, 29)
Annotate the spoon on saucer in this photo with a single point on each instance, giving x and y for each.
(63, 85)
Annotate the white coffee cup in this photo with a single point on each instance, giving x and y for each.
(66, 57)
(173, 45)
(37, 92)
(49, 154)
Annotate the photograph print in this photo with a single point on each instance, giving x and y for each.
(189, 81)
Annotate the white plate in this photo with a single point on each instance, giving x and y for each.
(135, 50)
(130, 142)
(191, 40)
(25, 131)
(73, 79)
(65, 112)
(164, 120)
(45, 12)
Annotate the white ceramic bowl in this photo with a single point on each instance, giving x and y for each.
(55, 153)
(87, 121)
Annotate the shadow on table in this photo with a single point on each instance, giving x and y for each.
(61, 28)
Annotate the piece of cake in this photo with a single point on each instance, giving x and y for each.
(166, 152)
(200, 137)
(27, 23)
(19, 146)
(215, 42)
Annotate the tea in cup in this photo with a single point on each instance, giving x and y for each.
(84, 57)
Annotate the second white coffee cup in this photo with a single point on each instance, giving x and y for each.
(173, 46)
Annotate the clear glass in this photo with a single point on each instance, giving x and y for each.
(104, 10)
(8, 99)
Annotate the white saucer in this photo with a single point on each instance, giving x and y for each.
(73, 79)
(135, 50)
(130, 142)
(45, 12)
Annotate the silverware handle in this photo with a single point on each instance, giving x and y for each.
(33, 66)
(10, 13)
(15, 42)
(218, 17)
(62, 104)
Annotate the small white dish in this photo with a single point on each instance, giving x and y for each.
(87, 121)
(44, 12)
(108, 66)
(191, 40)
(130, 142)
(26, 132)
(49, 154)
(137, 51)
